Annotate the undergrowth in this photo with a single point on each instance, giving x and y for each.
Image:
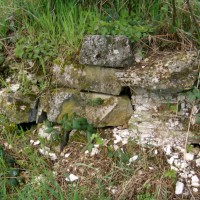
(39, 31)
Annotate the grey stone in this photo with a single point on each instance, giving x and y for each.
(17, 107)
(96, 79)
(109, 51)
(101, 110)
(165, 72)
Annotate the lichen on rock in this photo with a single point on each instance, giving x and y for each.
(109, 51)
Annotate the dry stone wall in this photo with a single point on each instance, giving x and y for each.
(94, 88)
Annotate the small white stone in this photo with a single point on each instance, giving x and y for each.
(44, 152)
(52, 156)
(43, 134)
(167, 149)
(155, 151)
(175, 156)
(179, 188)
(198, 162)
(176, 123)
(94, 151)
(72, 178)
(125, 141)
(115, 51)
(62, 154)
(23, 107)
(195, 184)
(96, 145)
(183, 175)
(183, 165)
(31, 141)
(171, 160)
(174, 168)
(115, 147)
(14, 87)
(177, 163)
(118, 139)
(195, 190)
(132, 159)
(151, 168)
(36, 143)
(113, 191)
(125, 133)
(67, 155)
(189, 156)
(192, 172)
(115, 130)
(189, 175)
(86, 152)
(195, 179)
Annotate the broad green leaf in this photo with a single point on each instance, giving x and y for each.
(49, 130)
(13, 182)
(19, 51)
(76, 124)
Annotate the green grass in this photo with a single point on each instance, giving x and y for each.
(42, 30)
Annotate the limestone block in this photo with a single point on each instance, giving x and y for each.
(109, 51)
(17, 107)
(55, 103)
(101, 110)
(144, 100)
(97, 79)
(168, 71)
(114, 111)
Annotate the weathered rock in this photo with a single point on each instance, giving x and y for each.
(144, 100)
(113, 111)
(97, 79)
(110, 51)
(17, 107)
(55, 103)
(173, 72)
(101, 110)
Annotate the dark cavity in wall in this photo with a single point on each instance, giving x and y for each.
(126, 91)
(42, 117)
(26, 126)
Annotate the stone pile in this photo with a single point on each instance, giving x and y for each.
(90, 89)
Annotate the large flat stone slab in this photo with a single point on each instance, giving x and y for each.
(168, 71)
(109, 51)
(89, 78)
(101, 110)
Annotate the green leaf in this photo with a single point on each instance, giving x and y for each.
(48, 123)
(76, 124)
(191, 96)
(13, 182)
(90, 128)
(10, 161)
(67, 127)
(82, 121)
(88, 135)
(49, 130)
(89, 147)
(196, 92)
(19, 51)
